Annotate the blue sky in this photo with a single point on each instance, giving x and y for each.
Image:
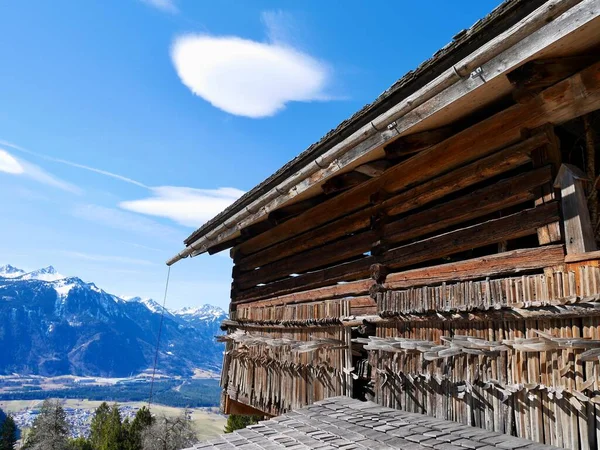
(126, 123)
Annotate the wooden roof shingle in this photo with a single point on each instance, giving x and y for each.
(345, 423)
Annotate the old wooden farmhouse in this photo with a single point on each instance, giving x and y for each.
(437, 252)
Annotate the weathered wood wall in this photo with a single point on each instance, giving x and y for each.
(461, 236)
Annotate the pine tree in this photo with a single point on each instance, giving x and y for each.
(50, 429)
(113, 436)
(8, 434)
(143, 419)
(98, 425)
(237, 422)
(80, 443)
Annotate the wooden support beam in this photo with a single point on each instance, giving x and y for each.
(359, 287)
(493, 231)
(510, 158)
(534, 76)
(374, 168)
(590, 168)
(567, 99)
(282, 214)
(235, 407)
(548, 154)
(413, 143)
(479, 203)
(512, 262)
(344, 182)
(579, 234)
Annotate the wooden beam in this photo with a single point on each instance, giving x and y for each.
(534, 76)
(413, 143)
(589, 256)
(235, 407)
(512, 262)
(579, 233)
(542, 156)
(344, 182)
(360, 287)
(493, 231)
(476, 172)
(513, 226)
(501, 195)
(570, 98)
(282, 214)
(374, 168)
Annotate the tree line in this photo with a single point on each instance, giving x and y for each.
(9, 433)
(108, 430)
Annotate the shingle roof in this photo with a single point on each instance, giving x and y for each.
(345, 423)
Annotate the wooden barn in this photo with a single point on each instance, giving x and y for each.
(437, 252)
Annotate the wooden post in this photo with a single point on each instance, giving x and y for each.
(544, 155)
(579, 234)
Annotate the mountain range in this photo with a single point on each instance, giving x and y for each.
(55, 325)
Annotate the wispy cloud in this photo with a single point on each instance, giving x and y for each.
(184, 205)
(74, 164)
(187, 206)
(164, 5)
(250, 78)
(17, 166)
(281, 27)
(122, 220)
(107, 258)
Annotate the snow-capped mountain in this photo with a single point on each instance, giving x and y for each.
(69, 326)
(202, 313)
(45, 274)
(9, 271)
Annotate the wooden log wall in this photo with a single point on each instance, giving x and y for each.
(463, 236)
(547, 391)
(277, 369)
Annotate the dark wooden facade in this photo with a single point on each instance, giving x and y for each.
(451, 268)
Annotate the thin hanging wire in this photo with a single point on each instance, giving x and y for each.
(162, 316)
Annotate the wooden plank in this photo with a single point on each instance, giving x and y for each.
(534, 76)
(500, 195)
(413, 143)
(492, 231)
(374, 168)
(579, 234)
(330, 292)
(589, 256)
(485, 168)
(548, 154)
(575, 96)
(282, 214)
(514, 261)
(344, 182)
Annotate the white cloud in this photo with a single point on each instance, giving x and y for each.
(163, 5)
(16, 166)
(187, 206)
(107, 258)
(9, 163)
(122, 220)
(248, 78)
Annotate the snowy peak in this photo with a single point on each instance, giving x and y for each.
(45, 274)
(9, 271)
(148, 303)
(204, 312)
